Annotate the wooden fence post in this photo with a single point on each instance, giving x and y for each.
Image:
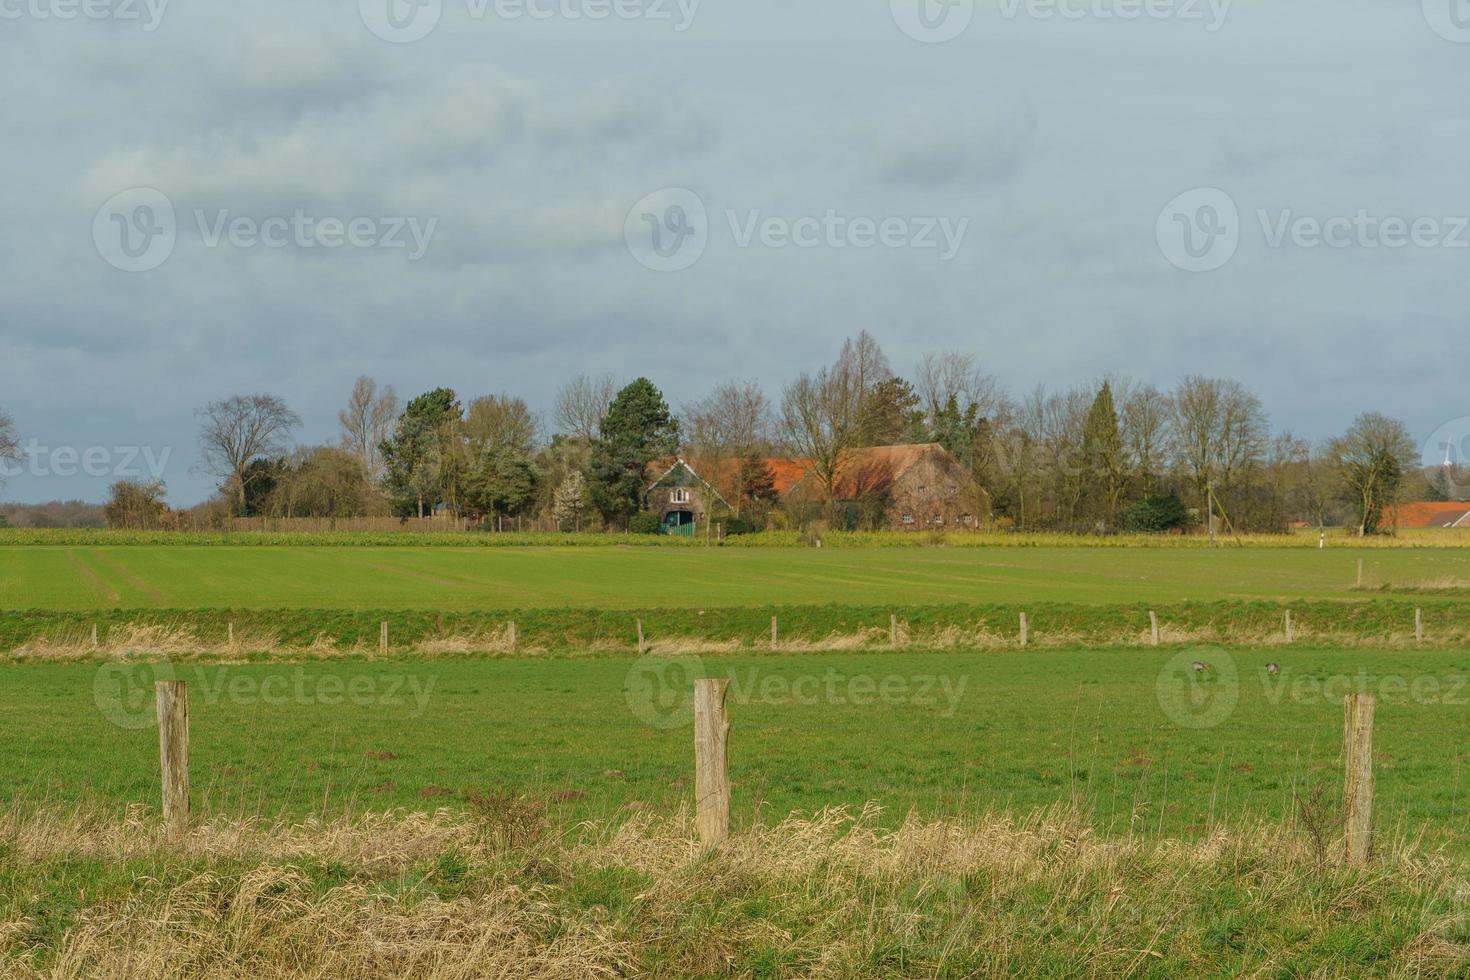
(94, 636)
(640, 636)
(1025, 633)
(893, 629)
(511, 630)
(1418, 625)
(711, 760)
(1153, 624)
(383, 637)
(1357, 793)
(774, 641)
(230, 635)
(1360, 573)
(172, 700)
(1290, 631)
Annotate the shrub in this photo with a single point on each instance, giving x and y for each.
(1154, 515)
(643, 523)
(738, 525)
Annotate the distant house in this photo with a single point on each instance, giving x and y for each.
(1428, 514)
(681, 499)
(902, 488)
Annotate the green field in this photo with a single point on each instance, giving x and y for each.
(185, 576)
(945, 733)
(1088, 805)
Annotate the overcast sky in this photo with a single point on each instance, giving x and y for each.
(697, 192)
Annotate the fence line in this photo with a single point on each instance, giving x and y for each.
(712, 785)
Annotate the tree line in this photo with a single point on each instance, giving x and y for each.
(1105, 456)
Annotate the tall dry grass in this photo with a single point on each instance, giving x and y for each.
(184, 643)
(499, 892)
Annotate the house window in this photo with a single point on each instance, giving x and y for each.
(680, 496)
(908, 518)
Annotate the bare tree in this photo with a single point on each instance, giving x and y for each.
(724, 431)
(1319, 480)
(234, 431)
(953, 374)
(366, 422)
(1144, 420)
(9, 444)
(1219, 433)
(1020, 455)
(581, 404)
(1372, 457)
(1285, 465)
(819, 421)
(862, 364)
(1064, 424)
(500, 422)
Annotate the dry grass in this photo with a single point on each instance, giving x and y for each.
(151, 642)
(498, 893)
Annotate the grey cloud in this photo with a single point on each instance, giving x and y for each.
(933, 147)
(1060, 142)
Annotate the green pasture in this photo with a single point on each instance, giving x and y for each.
(1129, 734)
(182, 577)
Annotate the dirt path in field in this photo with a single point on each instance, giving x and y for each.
(158, 596)
(93, 579)
(424, 577)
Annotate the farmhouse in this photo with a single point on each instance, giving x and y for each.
(902, 488)
(1428, 514)
(681, 499)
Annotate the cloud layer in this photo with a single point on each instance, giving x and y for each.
(526, 140)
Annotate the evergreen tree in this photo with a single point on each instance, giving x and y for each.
(421, 458)
(502, 481)
(1102, 455)
(887, 413)
(637, 429)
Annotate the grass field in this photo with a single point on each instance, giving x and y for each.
(183, 577)
(945, 733)
(1078, 807)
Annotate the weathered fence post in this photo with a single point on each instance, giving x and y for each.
(893, 629)
(1025, 632)
(1290, 632)
(711, 760)
(774, 641)
(172, 701)
(511, 635)
(1357, 793)
(1153, 625)
(640, 636)
(1418, 625)
(1360, 573)
(383, 637)
(230, 635)
(94, 636)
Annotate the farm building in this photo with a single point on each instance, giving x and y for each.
(1427, 514)
(903, 488)
(681, 499)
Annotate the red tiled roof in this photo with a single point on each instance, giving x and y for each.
(1430, 513)
(862, 471)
